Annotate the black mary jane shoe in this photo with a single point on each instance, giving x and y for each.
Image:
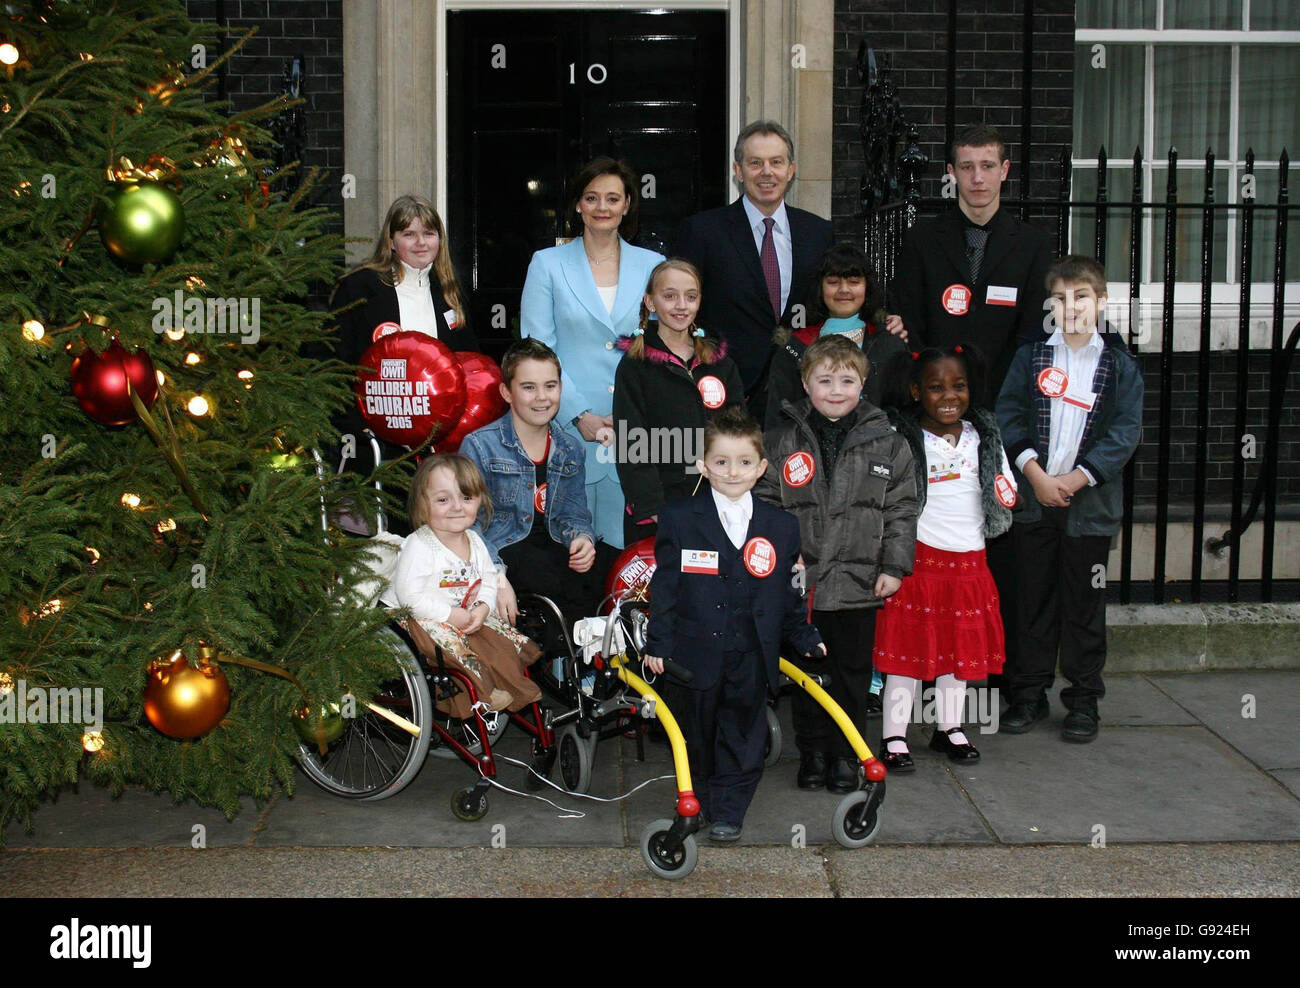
(896, 761)
(966, 753)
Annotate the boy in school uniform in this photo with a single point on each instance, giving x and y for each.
(541, 529)
(841, 469)
(1070, 412)
(722, 601)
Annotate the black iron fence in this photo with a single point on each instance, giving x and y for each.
(887, 214)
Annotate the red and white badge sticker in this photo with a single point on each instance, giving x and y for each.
(539, 500)
(759, 556)
(956, 300)
(712, 391)
(799, 468)
(384, 329)
(1053, 381)
(1006, 493)
(703, 561)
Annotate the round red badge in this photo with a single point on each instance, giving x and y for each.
(1053, 381)
(539, 500)
(384, 329)
(1006, 493)
(956, 300)
(760, 556)
(799, 469)
(712, 391)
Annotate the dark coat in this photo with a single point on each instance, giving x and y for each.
(1110, 437)
(379, 304)
(735, 304)
(785, 383)
(862, 523)
(934, 257)
(688, 613)
(659, 396)
(997, 517)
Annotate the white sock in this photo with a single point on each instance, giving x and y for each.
(951, 698)
(898, 698)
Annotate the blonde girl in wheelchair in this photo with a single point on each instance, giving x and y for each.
(445, 575)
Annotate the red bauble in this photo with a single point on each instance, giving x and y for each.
(483, 401)
(99, 383)
(411, 388)
(631, 572)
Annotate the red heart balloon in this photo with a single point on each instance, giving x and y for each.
(483, 401)
(410, 389)
(99, 383)
(630, 575)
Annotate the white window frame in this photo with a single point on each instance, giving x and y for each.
(1225, 295)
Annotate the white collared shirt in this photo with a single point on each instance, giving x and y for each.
(414, 301)
(735, 515)
(781, 240)
(1068, 420)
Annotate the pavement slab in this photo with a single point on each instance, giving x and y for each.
(1140, 784)
(1255, 711)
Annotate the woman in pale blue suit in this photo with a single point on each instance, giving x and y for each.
(578, 299)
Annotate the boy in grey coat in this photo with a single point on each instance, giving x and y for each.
(836, 464)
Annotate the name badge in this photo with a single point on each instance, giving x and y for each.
(1079, 396)
(449, 317)
(949, 471)
(1001, 295)
(700, 561)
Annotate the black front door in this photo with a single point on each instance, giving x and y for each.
(533, 95)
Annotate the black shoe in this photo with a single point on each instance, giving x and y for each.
(812, 770)
(1022, 716)
(896, 761)
(1080, 726)
(843, 776)
(873, 707)
(966, 753)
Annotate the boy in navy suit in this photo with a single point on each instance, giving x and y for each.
(722, 600)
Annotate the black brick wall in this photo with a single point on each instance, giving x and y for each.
(988, 84)
(285, 28)
(1223, 441)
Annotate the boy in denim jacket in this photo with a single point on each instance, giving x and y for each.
(541, 530)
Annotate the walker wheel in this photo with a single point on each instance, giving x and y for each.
(575, 757)
(772, 747)
(665, 863)
(468, 805)
(852, 823)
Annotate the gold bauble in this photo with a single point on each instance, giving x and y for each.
(184, 701)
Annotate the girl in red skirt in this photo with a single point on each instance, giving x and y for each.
(944, 623)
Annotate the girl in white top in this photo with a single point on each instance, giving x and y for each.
(944, 623)
(445, 576)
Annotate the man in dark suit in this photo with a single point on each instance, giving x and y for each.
(757, 256)
(976, 273)
(722, 602)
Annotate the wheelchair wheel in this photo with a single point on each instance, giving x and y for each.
(466, 732)
(772, 750)
(662, 862)
(469, 804)
(574, 759)
(375, 758)
(852, 825)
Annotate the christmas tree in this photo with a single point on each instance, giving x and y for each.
(136, 208)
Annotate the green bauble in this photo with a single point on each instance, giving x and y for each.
(143, 222)
(328, 718)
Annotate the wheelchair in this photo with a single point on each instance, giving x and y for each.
(376, 754)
